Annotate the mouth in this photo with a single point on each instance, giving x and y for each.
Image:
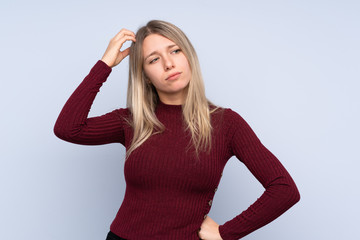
(173, 76)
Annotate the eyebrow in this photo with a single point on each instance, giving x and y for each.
(155, 52)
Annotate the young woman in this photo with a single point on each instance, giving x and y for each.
(177, 142)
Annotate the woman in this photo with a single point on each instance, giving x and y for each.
(177, 143)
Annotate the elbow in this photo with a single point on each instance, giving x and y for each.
(297, 196)
(62, 132)
(70, 134)
(292, 194)
(286, 191)
(59, 132)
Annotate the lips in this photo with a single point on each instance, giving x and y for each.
(173, 76)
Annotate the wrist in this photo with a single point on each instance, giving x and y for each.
(106, 62)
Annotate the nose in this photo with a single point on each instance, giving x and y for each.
(168, 63)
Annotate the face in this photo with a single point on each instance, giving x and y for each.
(167, 68)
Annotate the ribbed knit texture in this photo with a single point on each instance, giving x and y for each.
(168, 190)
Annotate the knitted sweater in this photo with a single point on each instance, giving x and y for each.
(169, 190)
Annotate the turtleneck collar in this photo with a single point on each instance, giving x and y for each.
(168, 107)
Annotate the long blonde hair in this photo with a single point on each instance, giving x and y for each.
(142, 97)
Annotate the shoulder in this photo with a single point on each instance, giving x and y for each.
(228, 118)
(232, 116)
(122, 115)
(123, 112)
(226, 113)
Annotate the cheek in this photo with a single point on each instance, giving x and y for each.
(186, 66)
(151, 73)
(188, 71)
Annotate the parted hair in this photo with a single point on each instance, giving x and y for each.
(142, 97)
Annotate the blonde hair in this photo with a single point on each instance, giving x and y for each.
(142, 97)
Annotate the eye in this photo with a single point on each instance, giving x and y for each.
(177, 50)
(154, 60)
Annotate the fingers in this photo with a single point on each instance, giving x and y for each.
(113, 54)
(126, 52)
(122, 55)
(209, 229)
(125, 38)
(124, 32)
(121, 38)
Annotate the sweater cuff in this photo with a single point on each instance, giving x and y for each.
(102, 67)
(225, 234)
(222, 233)
(99, 72)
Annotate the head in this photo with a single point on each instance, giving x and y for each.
(144, 89)
(142, 83)
(166, 68)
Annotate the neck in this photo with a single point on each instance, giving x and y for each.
(168, 101)
(170, 104)
(172, 99)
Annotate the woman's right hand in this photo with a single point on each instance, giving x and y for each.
(113, 55)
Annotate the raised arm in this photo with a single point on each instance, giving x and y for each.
(280, 190)
(73, 124)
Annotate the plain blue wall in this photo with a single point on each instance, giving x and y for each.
(290, 68)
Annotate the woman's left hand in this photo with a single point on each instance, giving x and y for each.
(209, 230)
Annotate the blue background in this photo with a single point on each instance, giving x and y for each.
(290, 68)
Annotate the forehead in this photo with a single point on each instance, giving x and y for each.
(155, 42)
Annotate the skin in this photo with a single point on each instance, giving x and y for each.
(165, 61)
(162, 58)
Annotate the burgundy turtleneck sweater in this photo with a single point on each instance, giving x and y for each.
(168, 190)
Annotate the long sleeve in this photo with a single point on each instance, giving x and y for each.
(280, 190)
(73, 124)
